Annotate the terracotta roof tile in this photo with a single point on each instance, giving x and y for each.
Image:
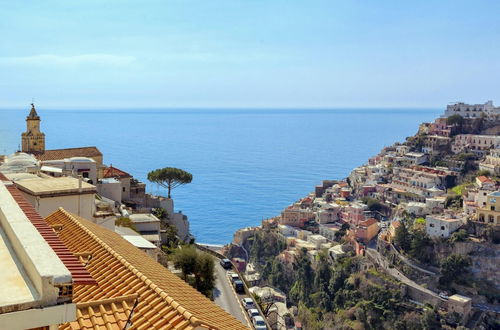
(368, 222)
(110, 313)
(113, 172)
(68, 153)
(120, 269)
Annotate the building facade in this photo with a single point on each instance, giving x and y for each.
(472, 110)
(438, 226)
(474, 143)
(490, 213)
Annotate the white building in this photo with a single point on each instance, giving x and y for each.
(329, 230)
(48, 194)
(148, 226)
(336, 252)
(110, 188)
(475, 143)
(287, 231)
(415, 158)
(74, 166)
(491, 162)
(472, 110)
(317, 240)
(441, 226)
(417, 208)
(423, 181)
(138, 241)
(37, 287)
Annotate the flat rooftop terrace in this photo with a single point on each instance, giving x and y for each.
(17, 291)
(62, 185)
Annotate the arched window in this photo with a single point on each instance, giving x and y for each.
(491, 218)
(481, 217)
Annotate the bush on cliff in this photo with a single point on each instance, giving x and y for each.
(454, 269)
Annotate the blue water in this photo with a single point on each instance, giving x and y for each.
(246, 164)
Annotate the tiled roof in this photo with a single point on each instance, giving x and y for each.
(78, 273)
(110, 313)
(368, 222)
(68, 153)
(113, 172)
(120, 269)
(484, 179)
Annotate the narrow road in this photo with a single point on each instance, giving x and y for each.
(224, 295)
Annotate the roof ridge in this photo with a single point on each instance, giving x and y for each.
(159, 291)
(73, 148)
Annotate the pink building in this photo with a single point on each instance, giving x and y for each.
(354, 213)
(440, 127)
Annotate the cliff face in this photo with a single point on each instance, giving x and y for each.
(484, 257)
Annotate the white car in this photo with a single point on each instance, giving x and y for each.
(259, 323)
(234, 277)
(253, 312)
(248, 303)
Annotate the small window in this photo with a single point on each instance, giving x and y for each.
(492, 208)
(123, 189)
(442, 227)
(431, 225)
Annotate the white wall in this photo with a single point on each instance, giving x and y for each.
(111, 190)
(46, 206)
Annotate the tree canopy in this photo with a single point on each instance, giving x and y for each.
(170, 177)
(455, 120)
(200, 264)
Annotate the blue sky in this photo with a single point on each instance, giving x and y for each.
(252, 53)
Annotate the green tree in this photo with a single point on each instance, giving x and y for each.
(160, 213)
(419, 243)
(402, 237)
(454, 268)
(483, 173)
(200, 264)
(303, 286)
(373, 204)
(430, 320)
(459, 236)
(204, 274)
(170, 177)
(185, 260)
(171, 235)
(455, 120)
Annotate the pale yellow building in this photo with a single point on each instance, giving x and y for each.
(33, 140)
(490, 213)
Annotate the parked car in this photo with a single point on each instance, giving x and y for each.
(234, 277)
(238, 286)
(253, 312)
(226, 264)
(259, 323)
(248, 303)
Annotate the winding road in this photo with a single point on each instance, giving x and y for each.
(226, 297)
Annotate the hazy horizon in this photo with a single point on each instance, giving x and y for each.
(242, 54)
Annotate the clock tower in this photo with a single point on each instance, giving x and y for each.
(33, 141)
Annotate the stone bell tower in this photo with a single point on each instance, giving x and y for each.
(33, 141)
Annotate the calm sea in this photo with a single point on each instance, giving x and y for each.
(246, 164)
